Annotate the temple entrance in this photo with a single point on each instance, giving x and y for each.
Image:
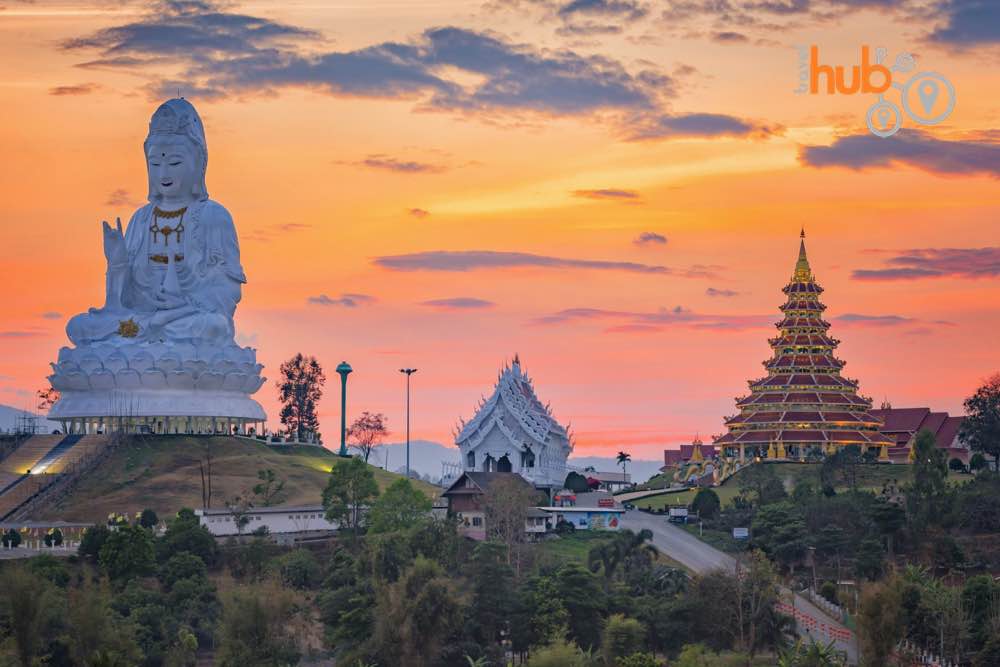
(503, 465)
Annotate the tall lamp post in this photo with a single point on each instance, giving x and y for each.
(344, 369)
(408, 372)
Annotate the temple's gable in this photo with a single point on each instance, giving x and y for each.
(803, 407)
(512, 431)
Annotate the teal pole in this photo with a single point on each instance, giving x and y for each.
(344, 369)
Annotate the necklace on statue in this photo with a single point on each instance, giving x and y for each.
(167, 230)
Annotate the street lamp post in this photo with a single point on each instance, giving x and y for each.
(344, 369)
(408, 372)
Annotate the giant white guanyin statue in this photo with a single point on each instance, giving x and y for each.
(162, 346)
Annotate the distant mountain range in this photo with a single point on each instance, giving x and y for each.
(9, 418)
(427, 456)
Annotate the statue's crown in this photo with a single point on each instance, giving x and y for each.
(167, 121)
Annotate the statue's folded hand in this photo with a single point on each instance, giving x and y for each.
(115, 250)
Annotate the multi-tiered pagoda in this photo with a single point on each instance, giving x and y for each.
(803, 408)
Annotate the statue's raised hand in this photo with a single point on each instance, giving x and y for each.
(115, 250)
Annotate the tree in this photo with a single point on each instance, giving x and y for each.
(127, 553)
(350, 488)
(977, 462)
(492, 592)
(415, 616)
(584, 600)
(981, 427)
(240, 508)
(879, 622)
(956, 465)
(28, 603)
(299, 390)
(780, 530)
(623, 459)
(622, 637)
(706, 503)
(148, 519)
(180, 566)
(576, 482)
(759, 480)
(930, 473)
(185, 533)
(271, 488)
(367, 432)
(47, 398)
(255, 627)
(506, 504)
(401, 506)
(299, 569)
(561, 654)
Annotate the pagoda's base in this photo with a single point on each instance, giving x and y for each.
(157, 411)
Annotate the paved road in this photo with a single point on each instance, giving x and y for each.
(700, 558)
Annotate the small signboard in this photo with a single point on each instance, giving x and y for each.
(678, 512)
(605, 502)
(741, 533)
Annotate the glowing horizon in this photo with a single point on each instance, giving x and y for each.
(443, 186)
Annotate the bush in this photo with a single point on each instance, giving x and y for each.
(977, 462)
(956, 465)
(185, 533)
(11, 538)
(93, 539)
(829, 592)
(706, 503)
(54, 538)
(560, 654)
(128, 552)
(299, 569)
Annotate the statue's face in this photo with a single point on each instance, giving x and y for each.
(172, 166)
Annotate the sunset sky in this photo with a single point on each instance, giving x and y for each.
(612, 189)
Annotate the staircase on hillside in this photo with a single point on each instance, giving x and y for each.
(29, 474)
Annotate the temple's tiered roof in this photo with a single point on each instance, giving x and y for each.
(513, 431)
(803, 400)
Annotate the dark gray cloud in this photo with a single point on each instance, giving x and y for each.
(271, 232)
(647, 238)
(907, 147)
(873, 320)
(419, 212)
(346, 300)
(471, 260)
(78, 89)
(626, 321)
(729, 37)
(51, 315)
(968, 23)
(713, 292)
(624, 10)
(925, 263)
(663, 126)
(384, 162)
(607, 193)
(459, 303)
(213, 53)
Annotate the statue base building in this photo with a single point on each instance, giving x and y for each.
(158, 389)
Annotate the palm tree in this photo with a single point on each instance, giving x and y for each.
(623, 458)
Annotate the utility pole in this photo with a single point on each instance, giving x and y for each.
(408, 372)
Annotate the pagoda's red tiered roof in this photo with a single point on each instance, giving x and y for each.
(803, 400)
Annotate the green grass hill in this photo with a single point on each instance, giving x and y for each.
(162, 473)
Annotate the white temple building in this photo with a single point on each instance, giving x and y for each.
(513, 431)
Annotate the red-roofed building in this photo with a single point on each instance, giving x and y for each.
(903, 424)
(696, 451)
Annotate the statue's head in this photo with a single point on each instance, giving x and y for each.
(176, 153)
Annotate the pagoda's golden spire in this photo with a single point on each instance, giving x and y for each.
(803, 274)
